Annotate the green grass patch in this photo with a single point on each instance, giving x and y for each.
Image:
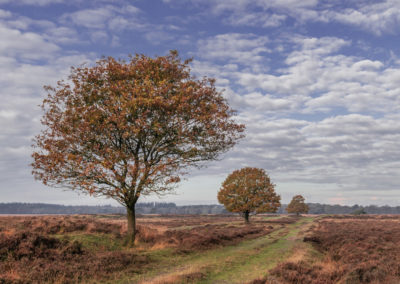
(221, 224)
(239, 263)
(254, 258)
(95, 242)
(271, 217)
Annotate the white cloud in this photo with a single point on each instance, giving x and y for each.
(259, 12)
(106, 23)
(157, 36)
(293, 4)
(32, 2)
(25, 45)
(99, 36)
(318, 78)
(17, 28)
(256, 19)
(28, 60)
(99, 18)
(245, 49)
(267, 103)
(22, 93)
(351, 150)
(90, 18)
(118, 23)
(377, 17)
(62, 35)
(5, 14)
(381, 17)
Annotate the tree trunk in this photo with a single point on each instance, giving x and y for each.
(131, 234)
(246, 216)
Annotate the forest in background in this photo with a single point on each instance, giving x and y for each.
(172, 208)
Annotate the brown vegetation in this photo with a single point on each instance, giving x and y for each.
(36, 258)
(362, 249)
(48, 249)
(202, 237)
(33, 251)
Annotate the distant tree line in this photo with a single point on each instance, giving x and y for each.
(318, 208)
(44, 208)
(141, 208)
(172, 208)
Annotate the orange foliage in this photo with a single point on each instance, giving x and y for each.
(297, 205)
(123, 129)
(249, 190)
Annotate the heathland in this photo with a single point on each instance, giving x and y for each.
(201, 249)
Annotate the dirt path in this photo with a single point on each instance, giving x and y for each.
(240, 263)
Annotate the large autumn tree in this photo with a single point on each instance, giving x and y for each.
(123, 129)
(297, 205)
(249, 190)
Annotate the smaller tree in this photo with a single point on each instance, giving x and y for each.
(297, 205)
(249, 190)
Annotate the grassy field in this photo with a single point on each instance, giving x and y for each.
(238, 263)
(200, 249)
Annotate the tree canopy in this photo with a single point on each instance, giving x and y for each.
(249, 190)
(297, 205)
(125, 129)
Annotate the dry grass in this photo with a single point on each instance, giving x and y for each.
(363, 249)
(36, 258)
(299, 254)
(200, 237)
(189, 275)
(79, 248)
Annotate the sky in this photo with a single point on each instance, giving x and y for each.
(317, 84)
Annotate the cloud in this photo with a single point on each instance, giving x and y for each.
(379, 18)
(256, 20)
(5, 14)
(322, 118)
(354, 150)
(47, 31)
(22, 93)
(157, 36)
(106, 23)
(113, 17)
(62, 35)
(317, 78)
(267, 103)
(24, 45)
(244, 49)
(90, 18)
(257, 13)
(29, 58)
(32, 2)
(99, 36)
